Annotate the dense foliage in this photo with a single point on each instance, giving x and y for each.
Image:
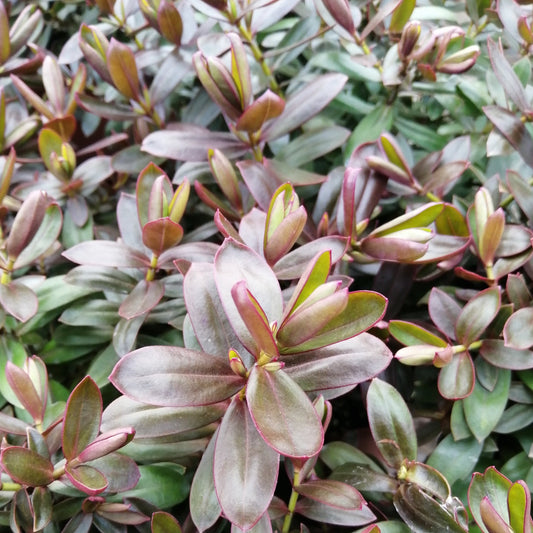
(266, 266)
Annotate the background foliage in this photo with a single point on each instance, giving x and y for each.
(266, 266)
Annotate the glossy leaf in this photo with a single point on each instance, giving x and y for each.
(83, 413)
(391, 423)
(27, 467)
(484, 408)
(344, 363)
(498, 354)
(169, 376)
(122, 69)
(245, 467)
(297, 431)
(456, 380)
(477, 314)
(412, 334)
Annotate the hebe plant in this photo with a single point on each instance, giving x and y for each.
(266, 266)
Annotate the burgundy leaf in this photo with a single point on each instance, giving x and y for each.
(143, 298)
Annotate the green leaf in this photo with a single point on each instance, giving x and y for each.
(161, 484)
(371, 126)
(170, 376)
(426, 478)
(297, 431)
(483, 408)
(86, 478)
(122, 69)
(83, 413)
(517, 332)
(417, 218)
(519, 503)
(41, 501)
(477, 315)
(411, 334)
(455, 459)
(164, 523)
(400, 16)
(391, 423)
(245, 467)
(27, 467)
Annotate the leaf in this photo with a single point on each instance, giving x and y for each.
(411, 334)
(483, 408)
(122, 69)
(305, 104)
(426, 478)
(83, 413)
(344, 363)
(282, 413)
(517, 332)
(371, 126)
(189, 142)
(455, 459)
(444, 311)
(41, 501)
(456, 380)
(333, 493)
(27, 467)
(513, 129)
(400, 15)
(101, 108)
(107, 254)
(170, 22)
(169, 376)
(142, 299)
(322, 512)
(86, 478)
(268, 106)
(521, 191)
(498, 354)
(22, 385)
(245, 467)
(18, 300)
(422, 513)
(477, 314)
(519, 503)
(391, 423)
(204, 506)
(164, 523)
(235, 262)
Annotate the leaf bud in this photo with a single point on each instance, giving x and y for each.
(409, 38)
(274, 366)
(226, 177)
(178, 203)
(268, 106)
(27, 22)
(460, 61)
(94, 45)
(123, 69)
(158, 202)
(5, 45)
(420, 354)
(106, 443)
(236, 364)
(169, 22)
(341, 13)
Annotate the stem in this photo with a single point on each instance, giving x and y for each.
(258, 153)
(5, 279)
(11, 486)
(150, 273)
(292, 503)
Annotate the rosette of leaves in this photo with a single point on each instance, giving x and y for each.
(151, 232)
(245, 346)
(32, 234)
(421, 494)
(59, 449)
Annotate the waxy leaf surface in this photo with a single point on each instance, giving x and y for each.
(27, 467)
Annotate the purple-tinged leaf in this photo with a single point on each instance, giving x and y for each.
(107, 254)
(284, 236)
(53, 84)
(79, 523)
(283, 414)
(30, 96)
(264, 525)
(169, 376)
(499, 355)
(121, 472)
(164, 523)
(521, 191)
(477, 314)
(519, 503)
(161, 234)
(21, 384)
(517, 332)
(490, 236)
(100, 108)
(333, 493)
(170, 22)
(304, 104)
(513, 129)
(391, 423)
(12, 425)
(293, 264)
(204, 506)
(107, 443)
(515, 240)
(151, 421)
(210, 324)
(457, 379)
(189, 142)
(491, 519)
(331, 514)
(245, 467)
(142, 299)
(235, 262)
(27, 467)
(240, 71)
(268, 106)
(392, 249)
(18, 300)
(122, 69)
(261, 181)
(83, 413)
(256, 321)
(87, 479)
(444, 311)
(94, 46)
(507, 77)
(491, 485)
(41, 502)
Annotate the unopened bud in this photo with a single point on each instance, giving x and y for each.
(460, 61)
(443, 357)
(409, 38)
(524, 29)
(274, 366)
(236, 364)
(179, 202)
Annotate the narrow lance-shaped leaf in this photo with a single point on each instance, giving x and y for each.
(22, 385)
(83, 414)
(170, 22)
(122, 69)
(54, 85)
(5, 45)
